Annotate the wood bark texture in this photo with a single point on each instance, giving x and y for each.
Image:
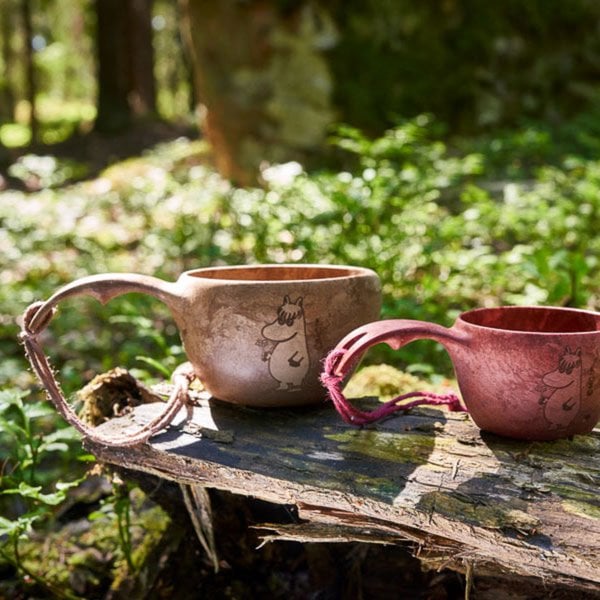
(465, 499)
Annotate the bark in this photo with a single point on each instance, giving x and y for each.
(30, 78)
(114, 112)
(463, 499)
(260, 73)
(7, 97)
(126, 84)
(143, 86)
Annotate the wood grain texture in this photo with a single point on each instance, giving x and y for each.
(464, 499)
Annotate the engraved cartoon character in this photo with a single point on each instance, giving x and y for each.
(288, 358)
(561, 390)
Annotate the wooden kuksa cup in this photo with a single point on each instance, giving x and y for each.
(530, 373)
(255, 335)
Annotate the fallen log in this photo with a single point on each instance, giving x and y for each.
(463, 499)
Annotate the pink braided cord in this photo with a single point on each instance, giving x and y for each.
(333, 382)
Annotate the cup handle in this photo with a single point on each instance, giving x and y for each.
(105, 287)
(340, 362)
(102, 287)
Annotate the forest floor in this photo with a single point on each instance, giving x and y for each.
(80, 558)
(91, 558)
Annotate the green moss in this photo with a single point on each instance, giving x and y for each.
(579, 444)
(152, 524)
(496, 516)
(380, 485)
(582, 509)
(386, 382)
(382, 381)
(577, 500)
(85, 559)
(405, 448)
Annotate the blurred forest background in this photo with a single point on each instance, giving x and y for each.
(451, 146)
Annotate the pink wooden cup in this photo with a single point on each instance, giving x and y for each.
(530, 373)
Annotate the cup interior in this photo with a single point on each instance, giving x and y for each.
(277, 272)
(534, 319)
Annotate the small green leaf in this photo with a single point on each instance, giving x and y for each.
(10, 528)
(67, 485)
(155, 364)
(10, 427)
(35, 493)
(38, 409)
(54, 447)
(66, 434)
(86, 458)
(11, 397)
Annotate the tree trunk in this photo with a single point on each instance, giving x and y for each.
(126, 84)
(30, 81)
(113, 86)
(261, 74)
(461, 498)
(141, 54)
(7, 97)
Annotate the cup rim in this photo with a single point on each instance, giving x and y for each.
(265, 274)
(593, 329)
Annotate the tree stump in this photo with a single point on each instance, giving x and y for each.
(464, 499)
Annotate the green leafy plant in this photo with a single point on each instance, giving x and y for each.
(446, 227)
(118, 507)
(46, 171)
(26, 479)
(508, 219)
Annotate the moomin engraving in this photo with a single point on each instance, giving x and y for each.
(561, 390)
(288, 357)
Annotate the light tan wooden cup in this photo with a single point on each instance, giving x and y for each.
(255, 335)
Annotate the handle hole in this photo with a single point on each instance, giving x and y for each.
(387, 373)
(87, 338)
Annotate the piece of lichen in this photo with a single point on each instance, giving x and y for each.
(495, 515)
(406, 448)
(111, 394)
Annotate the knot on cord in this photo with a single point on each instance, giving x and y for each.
(329, 376)
(27, 332)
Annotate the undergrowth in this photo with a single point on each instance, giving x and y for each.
(488, 222)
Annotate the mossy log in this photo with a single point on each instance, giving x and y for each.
(465, 499)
